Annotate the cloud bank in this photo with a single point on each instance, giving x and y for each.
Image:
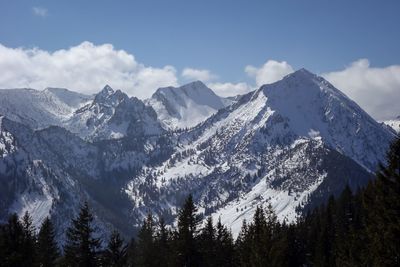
(376, 90)
(270, 72)
(197, 74)
(85, 68)
(230, 89)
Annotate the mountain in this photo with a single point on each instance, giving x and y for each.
(290, 144)
(394, 124)
(40, 109)
(186, 106)
(51, 172)
(112, 114)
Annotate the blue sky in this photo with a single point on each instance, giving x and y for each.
(221, 37)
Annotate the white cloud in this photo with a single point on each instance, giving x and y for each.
(197, 74)
(39, 11)
(85, 68)
(376, 90)
(230, 89)
(270, 72)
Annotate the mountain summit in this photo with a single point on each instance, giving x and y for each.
(293, 142)
(185, 106)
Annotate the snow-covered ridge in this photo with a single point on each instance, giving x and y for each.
(186, 106)
(40, 109)
(288, 143)
(280, 143)
(394, 124)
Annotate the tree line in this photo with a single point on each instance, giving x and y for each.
(355, 229)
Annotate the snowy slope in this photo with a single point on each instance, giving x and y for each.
(394, 123)
(40, 109)
(280, 143)
(185, 106)
(289, 144)
(50, 172)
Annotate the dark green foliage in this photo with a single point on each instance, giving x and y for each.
(47, 249)
(81, 247)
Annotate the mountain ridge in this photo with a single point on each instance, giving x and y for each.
(291, 143)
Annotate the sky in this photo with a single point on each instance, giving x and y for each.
(232, 46)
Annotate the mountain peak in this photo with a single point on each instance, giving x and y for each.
(107, 90)
(302, 74)
(196, 85)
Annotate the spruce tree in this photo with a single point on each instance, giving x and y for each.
(163, 250)
(47, 252)
(224, 246)
(382, 203)
(207, 244)
(146, 244)
(29, 240)
(12, 243)
(81, 247)
(115, 253)
(188, 221)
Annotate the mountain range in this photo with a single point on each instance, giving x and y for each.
(290, 144)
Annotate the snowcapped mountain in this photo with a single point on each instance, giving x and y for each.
(186, 106)
(111, 115)
(52, 171)
(394, 124)
(291, 144)
(40, 109)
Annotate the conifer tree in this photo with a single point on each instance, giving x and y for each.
(382, 203)
(162, 245)
(47, 249)
(81, 247)
(207, 247)
(188, 221)
(146, 244)
(115, 253)
(29, 240)
(131, 253)
(12, 242)
(224, 246)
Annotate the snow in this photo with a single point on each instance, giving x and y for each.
(264, 147)
(185, 106)
(394, 124)
(283, 203)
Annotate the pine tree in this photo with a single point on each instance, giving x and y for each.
(224, 246)
(188, 221)
(29, 240)
(146, 244)
(12, 242)
(81, 247)
(48, 251)
(162, 245)
(207, 245)
(115, 253)
(382, 203)
(243, 246)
